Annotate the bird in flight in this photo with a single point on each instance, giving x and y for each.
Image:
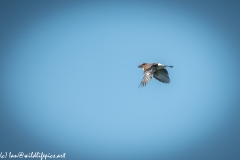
(157, 70)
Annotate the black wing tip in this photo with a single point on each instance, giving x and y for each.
(165, 82)
(141, 85)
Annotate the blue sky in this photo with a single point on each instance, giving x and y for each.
(70, 79)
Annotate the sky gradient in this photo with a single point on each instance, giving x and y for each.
(69, 79)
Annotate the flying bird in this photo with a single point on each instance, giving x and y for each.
(157, 70)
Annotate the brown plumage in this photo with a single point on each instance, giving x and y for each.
(157, 70)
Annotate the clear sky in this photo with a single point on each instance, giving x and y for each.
(70, 81)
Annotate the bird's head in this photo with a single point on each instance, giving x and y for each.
(141, 65)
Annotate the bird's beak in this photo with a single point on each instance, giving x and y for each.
(139, 66)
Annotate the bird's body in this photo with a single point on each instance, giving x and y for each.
(157, 70)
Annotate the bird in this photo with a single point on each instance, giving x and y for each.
(157, 70)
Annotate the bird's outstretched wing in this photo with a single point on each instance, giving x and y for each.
(162, 75)
(147, 77)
